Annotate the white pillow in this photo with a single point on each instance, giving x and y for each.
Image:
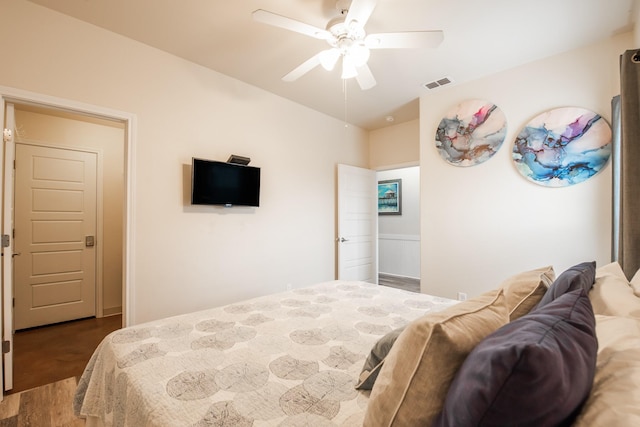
(612, 295)
(616, 387)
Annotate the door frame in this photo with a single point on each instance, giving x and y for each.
(7, 152)
(99, 233)
(18, 96)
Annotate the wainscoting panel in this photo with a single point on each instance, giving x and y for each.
(399, 254)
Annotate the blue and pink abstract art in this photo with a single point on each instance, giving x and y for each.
(562, 147)
(471, 133)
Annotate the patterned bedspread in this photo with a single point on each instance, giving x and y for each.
(290, 359)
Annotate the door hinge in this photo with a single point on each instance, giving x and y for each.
(6, 135)
(6, 347)
(6, 241)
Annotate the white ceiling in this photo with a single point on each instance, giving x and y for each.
(480, 38)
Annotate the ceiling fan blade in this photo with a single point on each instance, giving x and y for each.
(276, 20)
(303, 68)
(360, 11)
(405, 40)
(365, 77)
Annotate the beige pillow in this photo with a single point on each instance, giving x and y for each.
(415, 377)
(612, 295)
(635, 283)
(615, 396)
(524, 290)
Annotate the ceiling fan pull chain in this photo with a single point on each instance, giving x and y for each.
(344, 90)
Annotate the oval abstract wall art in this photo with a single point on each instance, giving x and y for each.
(471, 133)
(562, 147)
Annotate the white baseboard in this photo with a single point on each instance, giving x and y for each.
(113, 311)
(398, 275)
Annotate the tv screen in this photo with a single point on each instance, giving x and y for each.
(220, 183)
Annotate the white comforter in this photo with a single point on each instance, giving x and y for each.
(290, 359)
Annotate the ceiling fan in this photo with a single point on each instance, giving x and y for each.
(348, 40)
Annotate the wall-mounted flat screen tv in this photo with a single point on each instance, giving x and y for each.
(220, 183)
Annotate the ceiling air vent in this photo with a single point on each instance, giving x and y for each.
(437, 83)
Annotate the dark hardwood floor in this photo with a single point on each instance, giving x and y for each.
(52, 353)
(406, 283)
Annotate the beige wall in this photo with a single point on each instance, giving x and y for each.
(65, 130)
(187, 258)
(484, 223)
(393, 146)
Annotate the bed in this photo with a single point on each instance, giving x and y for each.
(289, 359)
(537, 350)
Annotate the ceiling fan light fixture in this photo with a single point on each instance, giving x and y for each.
(328, 58)
(359, 54)
(346, 36)
(348, 68)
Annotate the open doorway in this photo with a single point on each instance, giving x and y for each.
(62, 132)
(399, 232)
(59, 129)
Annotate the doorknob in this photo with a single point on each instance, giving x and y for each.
(16, 254)
(342, 239)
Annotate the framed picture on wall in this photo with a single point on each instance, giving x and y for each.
(390, 197)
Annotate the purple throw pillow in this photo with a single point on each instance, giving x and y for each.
(580, 276)
(535, 371)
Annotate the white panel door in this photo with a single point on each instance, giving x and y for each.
(357, 224)
(55, 229)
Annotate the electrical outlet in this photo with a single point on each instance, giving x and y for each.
(462, 296)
